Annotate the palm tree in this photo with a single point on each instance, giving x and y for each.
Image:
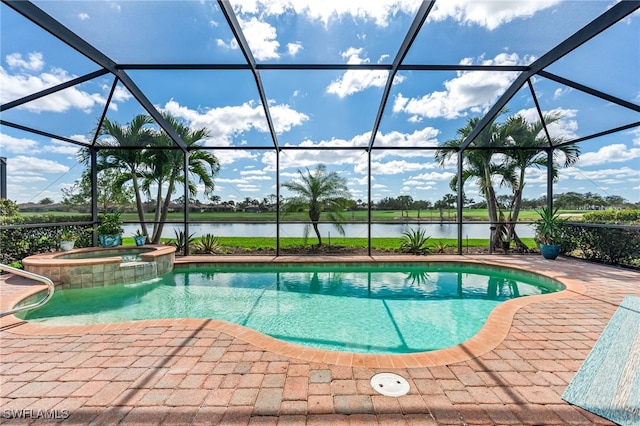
(521, 133)
(316, 192)
(166, 167)
(131, 161)
(479, 164)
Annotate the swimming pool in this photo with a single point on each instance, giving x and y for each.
(365, 308)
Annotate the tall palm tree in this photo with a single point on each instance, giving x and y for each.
(131, 161)
(167, 168)
(479, 164)
(521, 133)
(316, 192)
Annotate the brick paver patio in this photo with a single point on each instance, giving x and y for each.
(202, 372)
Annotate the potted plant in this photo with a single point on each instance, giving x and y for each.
(140, 238)
(549, 232)
(67, 240)
(110, 230)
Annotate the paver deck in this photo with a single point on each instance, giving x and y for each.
(208, 372)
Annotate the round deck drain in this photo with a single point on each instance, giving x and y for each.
(390, 384)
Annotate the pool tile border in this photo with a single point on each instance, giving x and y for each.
(488, 338)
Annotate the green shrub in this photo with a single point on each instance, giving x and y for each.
(180, 242)
(620, 217)
(208, 244)
(618, 246)
(8, 207)
(16, 243)
(415, 241)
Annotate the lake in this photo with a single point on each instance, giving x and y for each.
(434, 230)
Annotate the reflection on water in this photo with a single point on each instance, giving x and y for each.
(372, 308)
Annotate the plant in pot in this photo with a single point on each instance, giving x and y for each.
(110, 230)
(67, 240)
(140, 238)
(549, 230)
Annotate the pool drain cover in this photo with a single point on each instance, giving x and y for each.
(390, 384)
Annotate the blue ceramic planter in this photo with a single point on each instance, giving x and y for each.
(550, 251)
(110, 240)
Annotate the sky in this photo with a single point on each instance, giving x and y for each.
(321, 109)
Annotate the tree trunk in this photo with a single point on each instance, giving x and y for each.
(156, 216)
(522, 246)
(139, 205)
(315, 228)
(492, 209)
(165, 211)
(517, 205)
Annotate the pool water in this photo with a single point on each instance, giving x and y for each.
(127, 255)
(366, 308)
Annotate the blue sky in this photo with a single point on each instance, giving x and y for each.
(322, 109)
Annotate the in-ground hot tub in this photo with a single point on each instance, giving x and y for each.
(97, 267)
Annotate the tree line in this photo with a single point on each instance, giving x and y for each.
(498, 158)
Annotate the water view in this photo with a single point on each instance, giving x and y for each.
(328, 231)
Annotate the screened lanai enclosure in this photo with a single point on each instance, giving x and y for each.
(206, 113)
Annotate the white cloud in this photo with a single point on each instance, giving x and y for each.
(60, 147)
(225, 123)
(392, 167)
(232, 45)
(35, 61)
(310, 157)
(565, 128)
(17, 145)
(558, 93)
(379, 11)
(431, 177)
(489, 14)
(121, 94)
(354, 81)
(27, 165)
(615, 153)
(636, 135)
(16, 86)
(623, 173)
(261, 37)
(83, 16)
(474, 91)
(29, 178)
(426, 137)
(294, 48)
(230, 156)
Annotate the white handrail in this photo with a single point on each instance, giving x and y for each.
(36, 277)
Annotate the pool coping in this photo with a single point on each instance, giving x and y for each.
(56, 258)
(493, 332)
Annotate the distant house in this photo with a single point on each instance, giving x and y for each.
(252, 209)
(218, 208)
